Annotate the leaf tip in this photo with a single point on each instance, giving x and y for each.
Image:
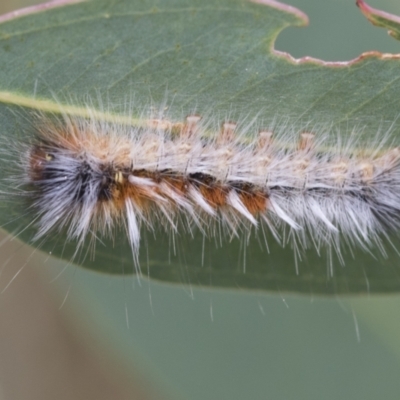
(381, 18)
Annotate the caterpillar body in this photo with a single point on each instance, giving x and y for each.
(87, 178)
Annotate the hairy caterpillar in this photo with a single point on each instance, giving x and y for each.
(88, 178)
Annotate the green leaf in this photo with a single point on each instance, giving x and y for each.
(214, 57)
(381, 18)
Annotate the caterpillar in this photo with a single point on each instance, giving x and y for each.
(88, 178)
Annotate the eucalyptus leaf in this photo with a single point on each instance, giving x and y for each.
(215, 58)
(381, 18)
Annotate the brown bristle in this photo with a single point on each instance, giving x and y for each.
(366, 170)
(254, 201)
(227, 133)
(190, 128)
(306, 142)
(137, 193)
(264, 139)
(38, 158)
(339, 170)
(178, 183)
(215, 195)
(391, 158)
(161, 124)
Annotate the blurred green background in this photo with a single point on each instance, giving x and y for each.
(151, 340)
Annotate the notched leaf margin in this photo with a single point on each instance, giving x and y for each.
(376, 17)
